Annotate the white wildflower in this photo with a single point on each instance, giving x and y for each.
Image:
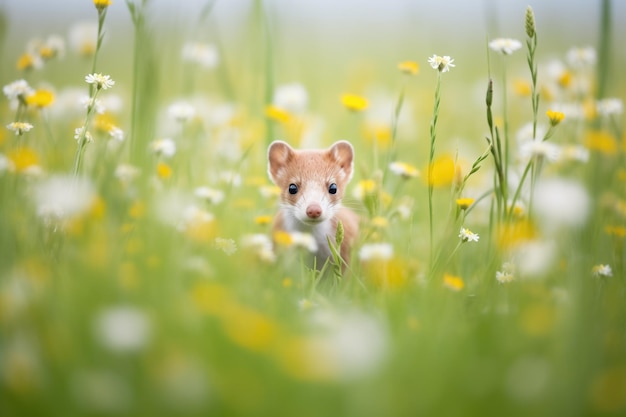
(123, 329)
(376, 251)
(63, 196)
(228, 246)
(403, 169)
(441, 63)
(80, 133)
(19, 127)
(506, 274)
(610, 106)
(206, 55)
(181, 111)
(126, 173)
(116, 134)
(304, 240)
(103, 82)
(581, 57)
(467, 235)
(211, 195)
(602, 270)
(561, 202)
(164, 147)
(505, 46)
(17, 90)
(291, 97)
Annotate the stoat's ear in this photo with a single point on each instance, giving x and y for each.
(278, 155)
(342, 153)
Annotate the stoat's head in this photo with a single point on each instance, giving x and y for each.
(312, 182)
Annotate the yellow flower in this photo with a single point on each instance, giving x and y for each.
(522, 87)
(617, 231)
(287, 283)
(102, 4)
(380, 222)
(555, 117)
(464, 203)
(565, 79)
(26, 62)
(23, 158)
(453, 282)
(409, 67)
(514, 233)
(354, 102)
(104, 122)
(249, 329)
(277, 114)
(601, 141)
(379, 132)
(390, 274)
(164, 171)
(282, 238)
(263, 220)
(40, 98)
(442, 171)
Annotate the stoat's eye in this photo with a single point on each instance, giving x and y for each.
(293, 188)
(332, 188)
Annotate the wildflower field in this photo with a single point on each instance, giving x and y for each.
(139, 273)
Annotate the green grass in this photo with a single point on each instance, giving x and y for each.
(129, 302)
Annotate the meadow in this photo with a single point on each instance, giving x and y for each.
(139, 274)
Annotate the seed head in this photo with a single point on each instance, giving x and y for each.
(530, 22)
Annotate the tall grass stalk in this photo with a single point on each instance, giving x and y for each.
(431, 158)
(93, 93)
(531, 45)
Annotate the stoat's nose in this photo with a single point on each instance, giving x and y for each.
(314, 210)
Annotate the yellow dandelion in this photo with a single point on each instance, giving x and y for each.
(379, 133)
(442, 171)
(137, 210)
(601, 141)
(514, 233)
(102, 4)
(380, 222)
(565, 79)
(282, 238)
(453, 282)
(26, 62)
(249, 328)
(163, 170)
(354, 102)
(277, 114)
(464, 203)
(263, 220)
(617, 231)
(522, 87)
(367, 187)
(40, 98)
(409, 67)
(23, 158)
(104, 122)
(555, 117)
(607, 390)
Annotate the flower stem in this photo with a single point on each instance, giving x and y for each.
(431, 157)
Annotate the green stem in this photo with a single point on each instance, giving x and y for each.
(431, 157)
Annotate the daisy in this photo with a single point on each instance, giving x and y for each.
(441, 63)
(17, 90)
(505, 46)
(165, 147)
(467, 235)
(19, 127)
(403, 169)
(610, 106)
(376, 251)
(602, 270)
(103, 82)
(80, 132)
